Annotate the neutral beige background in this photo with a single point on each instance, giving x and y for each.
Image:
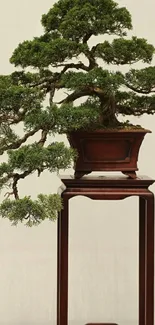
(103, 235)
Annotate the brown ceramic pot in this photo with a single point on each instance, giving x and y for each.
(105, 150)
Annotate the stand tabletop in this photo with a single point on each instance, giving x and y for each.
(106, 181)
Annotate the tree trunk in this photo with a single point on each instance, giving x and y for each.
(108, 113)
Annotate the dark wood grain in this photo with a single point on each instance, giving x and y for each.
(142, 259)
(62, 269)
(149, 262)
(110, 188)
(106, 181)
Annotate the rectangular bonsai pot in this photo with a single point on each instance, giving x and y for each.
(106, 150)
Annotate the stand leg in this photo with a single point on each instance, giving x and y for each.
(149, 280)
(62, 267)
(80, 174)
(130, 174)
(142, 258)
(146, 261)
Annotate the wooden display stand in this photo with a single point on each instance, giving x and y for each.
(114, 188)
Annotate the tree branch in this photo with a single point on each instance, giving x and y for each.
(75, 95)
(83, 92)
(16, 176)
(8, 194)
(45, 82)
(87, 37)
(125, 110)
(12, 119)
(140, 91)
(92, 60)
(43, 139)
(67, 66)
(18, 143)
(14, 187)
(41, 142)
(93, 49)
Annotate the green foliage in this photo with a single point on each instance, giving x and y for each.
(74, 19)
(85, 116)
(97, 77)
(33, 157)
(124, 51)
(7, 137)
(142, 81)
(14, 98)
(56, 62)
(41, 53)
(31, 212)
(128, 103)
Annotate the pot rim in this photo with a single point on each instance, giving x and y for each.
(140, 130)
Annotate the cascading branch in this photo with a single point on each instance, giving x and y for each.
(62, 59)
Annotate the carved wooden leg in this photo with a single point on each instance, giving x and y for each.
(142, 259)
(80, 174)
(149, 277)
(62, 267)
(130, 174)
(146, 261)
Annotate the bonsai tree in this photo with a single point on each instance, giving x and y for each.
(62, 59)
